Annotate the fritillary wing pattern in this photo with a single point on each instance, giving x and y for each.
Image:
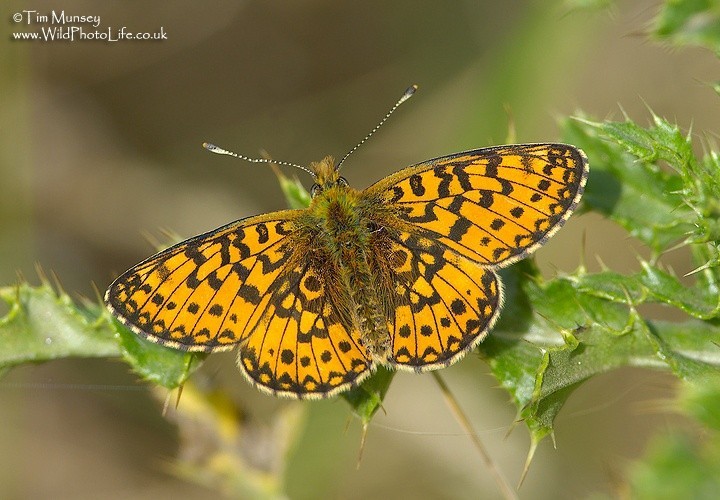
(244, 284)
(493, 205)
(446, 304)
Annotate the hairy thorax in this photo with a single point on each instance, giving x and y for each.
(349, 239)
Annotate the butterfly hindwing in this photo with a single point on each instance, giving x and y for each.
(493, 205)
(302, 347)
(445, 306)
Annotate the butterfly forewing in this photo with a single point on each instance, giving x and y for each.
(493, 205)
(209, 292)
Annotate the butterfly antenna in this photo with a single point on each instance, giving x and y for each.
(407, 95)
(218, 150)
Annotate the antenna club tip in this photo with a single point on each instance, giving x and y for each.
(214, 149)
(409, 93)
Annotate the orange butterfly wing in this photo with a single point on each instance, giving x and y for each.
(446, 304)
(302, 348)
(245, 283)
(462, 216)
(492, 205)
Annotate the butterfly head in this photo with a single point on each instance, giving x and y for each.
(326, 176)
(326, 171)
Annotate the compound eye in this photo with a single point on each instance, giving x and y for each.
(315, 190)
(342, 181)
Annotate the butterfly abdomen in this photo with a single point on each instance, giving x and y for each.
(371, 317)
(348, 238)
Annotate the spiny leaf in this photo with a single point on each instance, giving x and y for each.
(155, 363)
(367, 398)
(628, 187)
(651, 285)
(572, 332)
(43, 325)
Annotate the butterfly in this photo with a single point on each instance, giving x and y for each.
(401, 274)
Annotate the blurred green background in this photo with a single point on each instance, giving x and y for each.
(101, 146)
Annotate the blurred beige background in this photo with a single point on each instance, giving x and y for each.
(101, 144)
